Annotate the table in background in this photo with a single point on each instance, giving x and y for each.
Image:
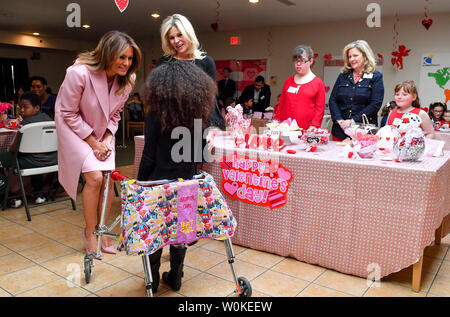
(346, 214)
(6, 138)
(443, 136)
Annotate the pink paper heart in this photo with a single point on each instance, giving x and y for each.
(231, 188)
(284, 174)
(121, 5)
(327, 89)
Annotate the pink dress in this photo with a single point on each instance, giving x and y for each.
(85, 106)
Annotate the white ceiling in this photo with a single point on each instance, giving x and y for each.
(49, 16)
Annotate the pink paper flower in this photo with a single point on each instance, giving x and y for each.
(4, 106)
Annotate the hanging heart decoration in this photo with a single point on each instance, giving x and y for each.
(328, 57)
(121, 5)
(215, 25)
(427, 23)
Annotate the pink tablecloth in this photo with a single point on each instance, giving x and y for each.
(346, 214)
(6, 139)
(443, 136)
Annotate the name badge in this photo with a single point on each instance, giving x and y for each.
(368, 76)
(397, 121)
(293, 90)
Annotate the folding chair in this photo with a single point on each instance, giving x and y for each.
(39, 137)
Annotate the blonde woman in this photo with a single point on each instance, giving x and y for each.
(358, 89)
(179, 42)
(87, 113)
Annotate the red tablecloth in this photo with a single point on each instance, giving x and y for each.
(345, 214)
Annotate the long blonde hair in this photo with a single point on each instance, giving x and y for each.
(109, 48)
(364, 48)
(185, 27)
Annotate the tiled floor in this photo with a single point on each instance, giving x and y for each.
(44, 257)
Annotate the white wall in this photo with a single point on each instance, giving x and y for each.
(330, 38)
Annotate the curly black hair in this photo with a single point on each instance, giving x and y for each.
(179, 92)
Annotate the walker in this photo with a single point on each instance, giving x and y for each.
(133, 243)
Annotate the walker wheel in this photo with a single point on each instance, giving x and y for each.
(87, 269)
(245, 287)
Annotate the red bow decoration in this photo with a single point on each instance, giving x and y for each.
(397, 60)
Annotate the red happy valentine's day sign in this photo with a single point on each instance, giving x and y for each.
(254, 181)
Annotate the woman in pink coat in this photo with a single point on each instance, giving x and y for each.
(87, 112)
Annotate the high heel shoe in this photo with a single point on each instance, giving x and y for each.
(87, 251)
(110, 249)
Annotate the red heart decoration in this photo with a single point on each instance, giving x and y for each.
(328, 57)
(427, 23)
(121, 4)
(215, 26)
(380, 56)
(393, 61)
(316, 55)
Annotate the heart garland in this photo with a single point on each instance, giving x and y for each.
(215, 25)
(122, 5)
(427, 22)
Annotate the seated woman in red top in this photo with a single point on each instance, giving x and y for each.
(407, 100)
(303, 95)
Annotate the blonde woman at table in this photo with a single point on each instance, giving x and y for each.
(87, 113)
(407, 101)
(358, 89)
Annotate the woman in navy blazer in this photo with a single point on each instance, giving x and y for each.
(358, 89)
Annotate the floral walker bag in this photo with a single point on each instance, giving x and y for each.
(172, 213)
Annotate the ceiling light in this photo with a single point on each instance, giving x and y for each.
(253, 1)
(155, 15)
(36, 33)
(86, 26)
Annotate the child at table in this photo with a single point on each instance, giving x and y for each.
(385, 112)
(436, 114)
(407, 100)
(445, 123)
(30, 106)
(176, 94)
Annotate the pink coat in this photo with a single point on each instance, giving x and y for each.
(83, 106)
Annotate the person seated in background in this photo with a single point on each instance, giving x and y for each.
(226, 88)
(385, 112)
(260, 92)
(445, 123)
(246, 103)
(30, 106)
(435, 113)
(135, 108)
(39, 87)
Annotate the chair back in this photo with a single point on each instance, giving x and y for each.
(39, 137)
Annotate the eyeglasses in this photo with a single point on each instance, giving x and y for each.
(301, 61)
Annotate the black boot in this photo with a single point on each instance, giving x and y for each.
(173, 277)
(155, 263)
